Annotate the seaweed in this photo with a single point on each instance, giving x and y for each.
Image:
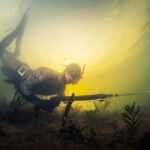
(16, 104)
(133, 118)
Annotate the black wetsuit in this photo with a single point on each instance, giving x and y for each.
(41, 81)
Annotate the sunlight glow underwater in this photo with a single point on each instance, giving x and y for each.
(111, 38)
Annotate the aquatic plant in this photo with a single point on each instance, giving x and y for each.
(133, 119)
(101, 108)
(16, 104)
(98, 115)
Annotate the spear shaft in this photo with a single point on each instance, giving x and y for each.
(96, 97)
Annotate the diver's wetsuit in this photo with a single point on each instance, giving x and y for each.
(42, 81)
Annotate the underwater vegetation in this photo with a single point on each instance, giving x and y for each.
(72, 128)
(16, 104)
(133, 119)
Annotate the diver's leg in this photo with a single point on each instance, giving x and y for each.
(10, 63)
(17, 32)
(11, 66)
(20, 29)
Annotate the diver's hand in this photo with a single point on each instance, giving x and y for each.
(47, 105)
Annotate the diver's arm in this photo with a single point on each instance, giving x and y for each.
(25, 90)
(47, 105)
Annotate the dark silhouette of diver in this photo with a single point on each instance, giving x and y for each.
(41, 81)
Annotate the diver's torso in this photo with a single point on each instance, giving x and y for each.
(48, 82)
